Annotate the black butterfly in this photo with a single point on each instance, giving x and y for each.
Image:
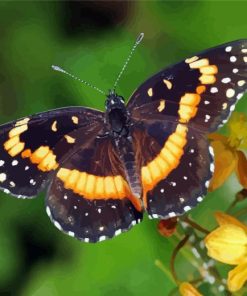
(103, 170)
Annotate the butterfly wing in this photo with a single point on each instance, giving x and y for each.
(27, 146)
(176, 165)
(89, 197)
(201, 90)
(175, 109)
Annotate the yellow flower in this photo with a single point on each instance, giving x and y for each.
(186, 289)
(228, 156)
(228, 244)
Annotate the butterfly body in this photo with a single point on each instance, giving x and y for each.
(102, 171)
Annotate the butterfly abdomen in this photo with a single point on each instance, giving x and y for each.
(127, 156)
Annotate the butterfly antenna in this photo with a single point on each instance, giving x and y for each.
(138, 41)
(57, 68)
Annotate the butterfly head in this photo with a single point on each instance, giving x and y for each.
(114, 101)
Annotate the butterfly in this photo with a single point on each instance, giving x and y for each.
(103, 170)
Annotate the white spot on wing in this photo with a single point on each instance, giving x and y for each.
(187, 208)
(239, 96)
(14, 162)
(228, 48)
(241, 82)
(117, 232)
(230, 92)
(233, 59)
(12, 184)
(211, 167)
(172, 214)
(226, 80)
(3, 177)
(71, 233)
(48, 211)
(213, 90)
(102, 238)
(57, 225)
(199, 198)
(2, 162)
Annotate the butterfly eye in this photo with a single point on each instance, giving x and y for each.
(121, 99)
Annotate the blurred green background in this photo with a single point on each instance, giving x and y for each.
(92, 40)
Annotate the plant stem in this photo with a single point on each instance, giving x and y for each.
(195, 225)
(174, 254)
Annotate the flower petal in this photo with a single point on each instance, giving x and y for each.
(227, 244)
(186, 289)
(238, 130)
(237, 277)
(225, 163)
(241, 168)
(224, 219)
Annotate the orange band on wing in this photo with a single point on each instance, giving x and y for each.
(43, 156)
(189, 101)
(166, 161)
(97, 187)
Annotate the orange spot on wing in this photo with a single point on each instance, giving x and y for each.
(39, 154)
(207, 79)
(201, 89)
(75, 119)
(199, 63)
(11, 142)
(190, 99)
(54, 126)
(162, 105)
(22, 121)
(26, 153)
(16, 149)
(191, 60)
(48, 163)
(18, 130)
(209, 70)
(69, 139)
(167, 83)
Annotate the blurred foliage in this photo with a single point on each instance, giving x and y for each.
(92, 40)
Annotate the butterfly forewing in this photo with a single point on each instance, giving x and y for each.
(202, 90)
(27, 147)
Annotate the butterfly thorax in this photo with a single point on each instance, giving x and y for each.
(116, 115)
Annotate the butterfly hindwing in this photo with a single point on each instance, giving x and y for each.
(89, 198)
(201, 90)
(175, 169)
(27, 147)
